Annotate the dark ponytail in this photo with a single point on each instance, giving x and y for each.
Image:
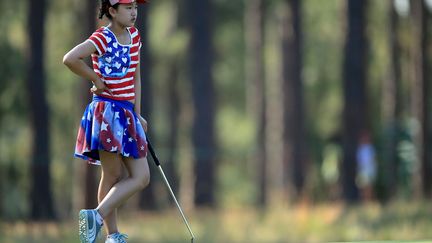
(104, 9)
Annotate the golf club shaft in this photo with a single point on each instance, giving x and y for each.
(176, 202)
(156, 160)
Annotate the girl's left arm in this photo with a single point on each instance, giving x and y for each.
(137, 84)
(137, 79)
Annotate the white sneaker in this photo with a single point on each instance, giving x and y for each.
(116, 238)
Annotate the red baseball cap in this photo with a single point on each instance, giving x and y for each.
(126, 1)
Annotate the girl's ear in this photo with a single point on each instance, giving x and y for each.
(112, 11)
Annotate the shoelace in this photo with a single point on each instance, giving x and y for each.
(119, 237)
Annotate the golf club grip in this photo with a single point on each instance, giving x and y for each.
(152, 152)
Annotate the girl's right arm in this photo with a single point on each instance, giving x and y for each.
(74, 61)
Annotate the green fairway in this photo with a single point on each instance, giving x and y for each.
(397, 222)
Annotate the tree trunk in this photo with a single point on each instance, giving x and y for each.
(175, 107)
(200, 65)
(41, 201)
(147, 198)
(427, 107)
(255, 83)
(354, 80)
(420, 96)
(89, 182)
(294, 134)
(391, 109)
(173, 117)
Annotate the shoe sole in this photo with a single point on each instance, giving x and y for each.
(83, 227)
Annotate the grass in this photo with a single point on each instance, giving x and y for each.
(396, 222)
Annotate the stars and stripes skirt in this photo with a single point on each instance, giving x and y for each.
(112, 126)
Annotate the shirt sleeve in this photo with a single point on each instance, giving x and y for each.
(139, 41)
(99, 40)
(136, 37)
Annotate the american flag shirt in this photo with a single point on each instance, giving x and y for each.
(116, 63)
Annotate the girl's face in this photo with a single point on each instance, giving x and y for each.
(126, 14)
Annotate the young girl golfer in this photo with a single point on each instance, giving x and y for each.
(112, 130)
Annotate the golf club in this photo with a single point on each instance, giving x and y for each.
(156, 160)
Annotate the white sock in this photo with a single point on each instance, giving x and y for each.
(111, 235)
(99, 218)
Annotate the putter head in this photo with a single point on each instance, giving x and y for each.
(192, 240)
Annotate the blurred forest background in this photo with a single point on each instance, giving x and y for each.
(258, 110)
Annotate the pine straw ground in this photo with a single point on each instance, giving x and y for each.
(395, 222)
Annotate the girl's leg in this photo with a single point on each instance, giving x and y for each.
(139, 178)
(112, 167)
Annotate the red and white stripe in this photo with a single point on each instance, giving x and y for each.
(122, 88)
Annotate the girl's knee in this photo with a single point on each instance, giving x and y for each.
(139, 172)
(112, 176)
(142, 180)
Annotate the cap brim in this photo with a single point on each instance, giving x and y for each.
(131, 1)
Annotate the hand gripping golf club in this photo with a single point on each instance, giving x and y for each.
(156, 160)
